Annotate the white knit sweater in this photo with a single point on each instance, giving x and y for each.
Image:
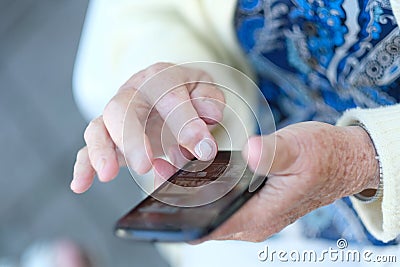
(119, 39)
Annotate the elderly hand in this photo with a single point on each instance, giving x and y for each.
(187, 111)
(314, 164)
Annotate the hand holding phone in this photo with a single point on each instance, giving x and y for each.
(193, 202)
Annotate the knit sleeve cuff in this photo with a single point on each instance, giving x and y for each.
(396, 9)
(381, 217)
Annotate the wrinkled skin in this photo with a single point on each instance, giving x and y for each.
(314, 163)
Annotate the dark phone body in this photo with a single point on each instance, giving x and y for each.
(153, 220)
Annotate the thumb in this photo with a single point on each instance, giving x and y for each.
(274, 153)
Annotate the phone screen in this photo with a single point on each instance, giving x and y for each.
(193, 202)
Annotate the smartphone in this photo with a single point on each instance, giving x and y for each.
(192, 202)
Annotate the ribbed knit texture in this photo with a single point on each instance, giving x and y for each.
(382, 217)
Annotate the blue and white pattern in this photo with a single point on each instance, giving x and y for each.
(314, 60)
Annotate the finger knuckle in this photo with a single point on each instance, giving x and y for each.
(202, 75)
(117, 105)
(173, 102)
(81, 154)
(177, 95)
(191, 132)
(219, 95)
(210, 91)
(156, 68)
(144, 79)
(90, 131)
(111, 107)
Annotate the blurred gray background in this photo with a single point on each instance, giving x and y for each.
(41, 130)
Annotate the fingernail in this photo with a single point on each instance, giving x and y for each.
(205, 149)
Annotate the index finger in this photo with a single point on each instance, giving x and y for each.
(168, 91)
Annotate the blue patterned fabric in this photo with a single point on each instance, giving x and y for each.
(315, 59)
